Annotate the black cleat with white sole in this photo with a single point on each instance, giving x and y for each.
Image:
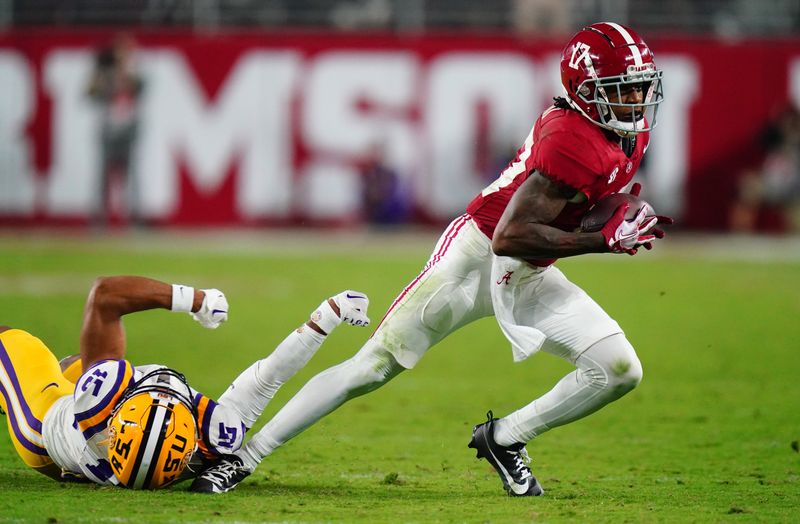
(510, 462)
(221, 477)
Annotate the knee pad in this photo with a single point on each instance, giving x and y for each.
(611, 364)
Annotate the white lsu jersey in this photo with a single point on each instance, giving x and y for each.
(75, 429)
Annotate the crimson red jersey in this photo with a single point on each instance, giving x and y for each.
(564, 146)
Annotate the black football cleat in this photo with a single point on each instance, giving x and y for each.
(222, 476)
(509, 462)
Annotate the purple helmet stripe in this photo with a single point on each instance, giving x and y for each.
(5, 360)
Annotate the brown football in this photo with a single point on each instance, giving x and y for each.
(603, 210)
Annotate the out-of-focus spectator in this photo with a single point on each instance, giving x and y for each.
(362, 14)
(769, 195)
(737, 18)
(116, 87)
(541, 17)
(384, 199)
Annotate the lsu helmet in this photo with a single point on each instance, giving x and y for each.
(153, 431)
(608, 58)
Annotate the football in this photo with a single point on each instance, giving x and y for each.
(603, 210)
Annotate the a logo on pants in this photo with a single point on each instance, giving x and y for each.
(505, 278)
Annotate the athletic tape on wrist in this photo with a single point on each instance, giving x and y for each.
(182, 298)
(325, 317)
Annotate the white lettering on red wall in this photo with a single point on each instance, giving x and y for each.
(17, 181)
(282, 134)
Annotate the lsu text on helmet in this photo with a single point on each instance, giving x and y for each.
(153, 431)
(599, 65)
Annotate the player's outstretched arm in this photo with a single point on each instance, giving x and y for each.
(523, 231)
(102, 334)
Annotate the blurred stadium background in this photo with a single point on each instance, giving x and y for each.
(348, 112)
(251, 145)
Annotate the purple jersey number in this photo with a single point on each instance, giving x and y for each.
(97, 379)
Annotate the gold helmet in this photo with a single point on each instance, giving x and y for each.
(153, 431)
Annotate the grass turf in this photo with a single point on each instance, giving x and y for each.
(707, 437)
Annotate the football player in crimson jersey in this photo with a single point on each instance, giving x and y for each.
(98, 418)
(497, 259)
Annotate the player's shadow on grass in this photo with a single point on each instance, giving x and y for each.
(18, 478)
(377, 490)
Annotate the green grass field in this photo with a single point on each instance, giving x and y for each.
(707, 437)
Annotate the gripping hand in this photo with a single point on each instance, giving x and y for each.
(660, 220)
(624, 236)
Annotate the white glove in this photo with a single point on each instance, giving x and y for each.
(624, 236)
(214, 310)
(353, 307)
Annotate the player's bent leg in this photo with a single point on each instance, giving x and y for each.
(369, 369)
(30, 382)
(605, 372)
(254, 388)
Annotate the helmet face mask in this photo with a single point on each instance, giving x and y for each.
(153, 431)
(599, 67)
(616, 115)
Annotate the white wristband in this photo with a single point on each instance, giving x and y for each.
(325, 317)
(182, 298)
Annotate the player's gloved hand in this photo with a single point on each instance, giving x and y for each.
(624, 236)
(660, 220)
(353, 307)
(214, 310)
(657, 231)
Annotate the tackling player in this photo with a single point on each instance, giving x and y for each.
(497, 259)
(140, 427)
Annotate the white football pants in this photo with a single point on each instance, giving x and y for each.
(454, 289)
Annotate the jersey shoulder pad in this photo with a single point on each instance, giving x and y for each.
(97, 392)
(570, 155)
(221, 429)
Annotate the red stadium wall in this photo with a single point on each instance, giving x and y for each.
(250, 129)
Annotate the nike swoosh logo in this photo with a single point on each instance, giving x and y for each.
(215, 311)
(355, 296)
(47, 386)
(519, 489)
(508, 477)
